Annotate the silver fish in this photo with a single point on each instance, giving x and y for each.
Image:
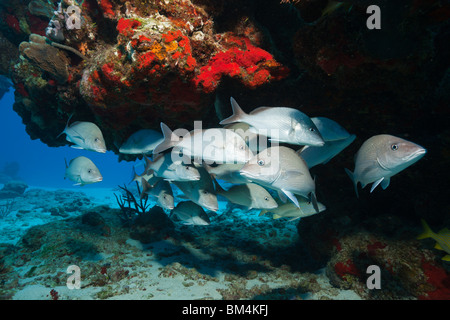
(330, 129)
(190, 213)
(382, 156)
(201, 191)
(141, 142)
(290, 210)
(163, 166)
(249, 195)
(280, 124)
(321, 155)
(256, 143)
(85, 135)
(162, 191)
(228, 172)
(217, 145)
(281, 169)
(82, 171)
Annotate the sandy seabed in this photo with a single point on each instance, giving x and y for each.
(240, 255)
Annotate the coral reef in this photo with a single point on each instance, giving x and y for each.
(162, 58)
(46, 57)
(143, 62)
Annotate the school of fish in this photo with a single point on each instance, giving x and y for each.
(266, 155)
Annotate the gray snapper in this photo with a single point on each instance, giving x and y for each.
(141, 142)
(314, 156)
(190, 213)
(215, 145)
(162, 191)
(381, 157)
(82, 170)
(201, 191)
(250, 195)
(85, 135)
(228, 172)
(290, 210)
(163, 166)
(280, 124)
(282, 169)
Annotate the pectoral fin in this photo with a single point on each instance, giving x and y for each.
(376, 183)
(385, 183)
(292, 197)
(282, 196)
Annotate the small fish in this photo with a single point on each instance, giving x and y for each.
(200, 191)
(321, 155)
(442, 239)
(82, 171)
(191, 214)
(162, 191)
(141, 142)
(85, 135)
(290, 210)
(281, 169)
(249, 195)
(228, 172)
(280, 124)
(150, 178)
(217, 145)
(163, 166)
(382, 156)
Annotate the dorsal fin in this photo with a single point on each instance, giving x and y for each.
(170, 139)
(238, 113)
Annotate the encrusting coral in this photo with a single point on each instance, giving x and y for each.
(46, 57)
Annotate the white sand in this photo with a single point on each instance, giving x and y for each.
(166, 269)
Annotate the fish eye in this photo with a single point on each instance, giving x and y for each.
(187, 168)
(312, 129)
(89, 171)
(394, 147)
(97, 139)
(205, 192)
(261, 162)
(266, 198)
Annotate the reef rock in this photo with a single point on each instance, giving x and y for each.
(47, 58)
(129, 66)
(13, 189)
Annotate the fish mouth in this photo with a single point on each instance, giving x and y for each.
(98, 179)
(416, 155)
(101, 150)
(246, 174)
(319, 143)
(212, 208)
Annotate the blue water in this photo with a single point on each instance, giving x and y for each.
(44, 166)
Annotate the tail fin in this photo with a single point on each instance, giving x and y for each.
(355, 183)
(146, 187)
(134, 176)
(427, 232)
(237, 115)
(219, 189)
(170, 139)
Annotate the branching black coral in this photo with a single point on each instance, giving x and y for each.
(130, 208)
(6, 209)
